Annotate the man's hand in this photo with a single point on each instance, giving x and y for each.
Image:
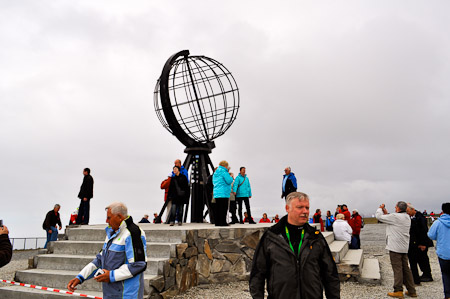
(382, 206)
(71, 286)
(4, 230)
(422, 247)
(104, 277)
(85, 199)
(50, 231)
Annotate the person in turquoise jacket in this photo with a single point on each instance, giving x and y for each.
(440, 231)
(222, 188)
(243, 192)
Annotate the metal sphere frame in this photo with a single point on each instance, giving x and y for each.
(197, 100)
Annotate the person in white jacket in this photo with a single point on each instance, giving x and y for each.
(397, 240)
(341, 229)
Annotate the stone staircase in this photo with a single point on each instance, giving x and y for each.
(167, 252)
(67, 257)
(351, 264)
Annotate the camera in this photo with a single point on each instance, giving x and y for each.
(1, 223)
(99, 272)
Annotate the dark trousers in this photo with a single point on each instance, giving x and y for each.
(445, 269)
(419, 257)
(358, 241)
(220, 215)
(176, 213)
(83, 212)
(239, 201)
(233, 211)
(402, 273)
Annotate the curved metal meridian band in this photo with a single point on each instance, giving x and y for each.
(171, 119)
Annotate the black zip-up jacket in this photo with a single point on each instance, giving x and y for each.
(5, 250)
(87, 187)
(51, 219)
(418, 232)
(288, 276)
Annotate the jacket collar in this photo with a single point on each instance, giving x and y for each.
(111, 233)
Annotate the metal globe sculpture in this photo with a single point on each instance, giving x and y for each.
(196, 99)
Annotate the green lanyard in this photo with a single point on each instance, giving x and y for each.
(299, 245)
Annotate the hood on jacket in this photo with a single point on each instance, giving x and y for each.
(445, 219)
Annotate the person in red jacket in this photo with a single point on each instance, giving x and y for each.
(345, 211)
(264, 219)
(356, 223)
(317, 218)
(165, 186)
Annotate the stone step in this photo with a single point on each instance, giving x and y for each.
(156, 250)
(59, 278)
(18, 292)
(352, 262)
(76, 247)
(370, 272)
(329, 237)
(78, 262)
(166, 236)
(338, 249)
(86, 233)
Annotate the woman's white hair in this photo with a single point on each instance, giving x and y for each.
(118, 208)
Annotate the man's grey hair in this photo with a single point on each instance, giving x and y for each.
(293, 195)
(410, 206)
(118, 208)
(288, 167)
(56, 206)
(402, 206)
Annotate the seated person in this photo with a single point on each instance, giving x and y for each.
(247, 219)
(342, 230)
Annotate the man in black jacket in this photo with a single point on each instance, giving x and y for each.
(418, 246)
(85, 194)
(51, 222)
(5, 246)
(294, 258)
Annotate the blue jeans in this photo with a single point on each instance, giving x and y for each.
(445, 269)
(176, 213)
(51, 236)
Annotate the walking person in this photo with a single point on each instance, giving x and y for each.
(289, 183)
(222, 188)
(85, 195)
(122, 259)
(397, 237)
(293, 258)
(50, 225)
(178, 195)
(243, 192)
(418, 246)
(440, 231)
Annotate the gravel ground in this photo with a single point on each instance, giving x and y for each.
(19, 261)
(373, 243)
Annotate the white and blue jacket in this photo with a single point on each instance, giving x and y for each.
(124, 255)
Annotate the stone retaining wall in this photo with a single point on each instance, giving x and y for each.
(208, 256)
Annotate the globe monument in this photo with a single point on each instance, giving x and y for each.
(197, 100)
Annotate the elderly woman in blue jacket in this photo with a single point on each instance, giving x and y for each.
(222, 188)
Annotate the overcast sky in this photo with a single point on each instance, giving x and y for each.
(353, 95)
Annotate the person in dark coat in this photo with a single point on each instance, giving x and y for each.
(289, 183)
(418, 246)
(5, 246)
(356, 224)
(85, 195)
(50, 225)
(294, 258)
(178, 194)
